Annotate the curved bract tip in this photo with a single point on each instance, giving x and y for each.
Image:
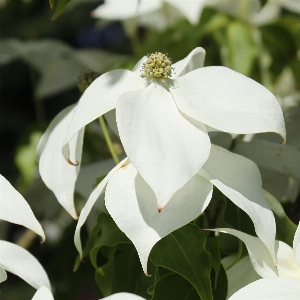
(73, 164)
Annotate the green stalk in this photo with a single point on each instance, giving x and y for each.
(108, 140)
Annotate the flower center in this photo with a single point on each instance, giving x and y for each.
(158, 65)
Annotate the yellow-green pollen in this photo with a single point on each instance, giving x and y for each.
(158, 65)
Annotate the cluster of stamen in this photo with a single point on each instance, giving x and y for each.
(158, 65)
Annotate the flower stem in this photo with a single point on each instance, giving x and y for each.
(108, 140)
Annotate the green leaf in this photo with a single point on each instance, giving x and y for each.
(174, 287)
(212, 247)
(90, 244)
(116, 261)
(285, 228)
(281, 45)
(221, 286)
(123, 273)
(236, 218)
(183, 252)
(98, 180)
(61, 5)
(241, 47)
(110, 235)
(216, 22)
(51, 3)
(25, 158)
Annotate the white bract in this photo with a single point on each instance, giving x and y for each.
(15, 209)
(20, 262)
(58, 175)
(270, 289)
(145, 220)
(286, 264)
(161, 120)
(279, 166)
(13, 258)
(253, 11)
(123, 10)
(43, 293)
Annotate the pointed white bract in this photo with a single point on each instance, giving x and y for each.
(20, 262)
(95, 195)
(124, 296)
(238, 275)
(43, 293)
(138, 216)
(3, 275)
(269, 289)
(278, 165)
(145, 220)
(149, 121)
(153, 114)
(58, 174)
(285, 266)
(238, 178)
(228, 101)
(15, 209)
(123, 10)
(260, 256)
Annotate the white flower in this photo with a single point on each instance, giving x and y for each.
(270, 289)
(285, 265)
(134, 207)
(253, 11)
(43, 293)
(57, 174)
(124, 296)
(15, 209)
(20, 262)
(13, 258)
(279, 166)
(250, 11)
(291, 5)
(161, 119)
(126, 9)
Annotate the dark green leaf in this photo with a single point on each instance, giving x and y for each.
(123, 273)
(61, 5)
(285, 228)
(118, 268)
(220, 290)
(183, 252)
(212, 247)
(174, 287)
(281, 44)
(91, 241)
(110, 235)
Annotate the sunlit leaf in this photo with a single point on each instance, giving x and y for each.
(26, 157)
(241, 47)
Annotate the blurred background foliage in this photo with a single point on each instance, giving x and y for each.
(40, 61)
